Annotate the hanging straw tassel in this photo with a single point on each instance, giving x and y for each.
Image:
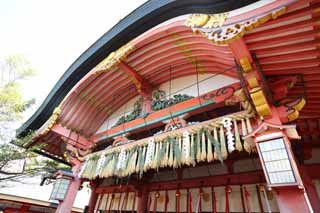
(246, 145)
(109, 167)
(215, 136)
(165, 147)
(177, 153)
(215, 143)
(224, 152)
(142, 161)
(209, 153)
(160, 154)
(83, 168)
(193, 151)
(186, 148)
(104, 171)
(170, 162)
(133, 161)
(149, 155)
(155, 158)
(244, 128)
(198, 143)
(237, 136)
(114, 164)
(183, 152)
(203, 146)
(249, 125)
(166, 162)
(140, 149)
(227, 124)
(101, 161)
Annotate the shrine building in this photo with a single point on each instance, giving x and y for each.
(191, 106)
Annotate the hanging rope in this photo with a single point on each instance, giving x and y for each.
(156, 196)
(106, 203)
(166, 201)
(246, 196)
(111, 203)
(214, 201)
(178, 196)
(134, 202)
(119, 203)
(227, 191)
(266, 199)
(198, 86)
(189, 209)
(97, 207)
(199, 202)
(124, 202)
(149, 203)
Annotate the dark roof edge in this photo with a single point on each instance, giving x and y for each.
(137, 22)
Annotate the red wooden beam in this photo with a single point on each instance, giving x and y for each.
(300, 56)
(283, 30)
(283, 50)
(142, 86)
(306, 71)
(292, 64)
(72, 137)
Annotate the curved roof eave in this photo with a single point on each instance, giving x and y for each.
(137, 22)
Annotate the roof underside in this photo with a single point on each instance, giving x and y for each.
(139, 21)
(288, 45)
(171, 52)
(285, 46)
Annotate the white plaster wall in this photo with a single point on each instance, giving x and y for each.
(207, 82)
(185, 85)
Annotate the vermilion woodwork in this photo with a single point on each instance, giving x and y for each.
(67, 204)
(72, 137)
(213, 97)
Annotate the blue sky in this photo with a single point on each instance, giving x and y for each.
(52, 34)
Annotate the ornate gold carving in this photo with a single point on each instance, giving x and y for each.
(253, 82)
(297, 106)
(206, 21)
(52, 121)
(239, 96)
(47, 126)
(221, 34)
(114, 59)
(245, 64)
(197, 20)
(260, 102)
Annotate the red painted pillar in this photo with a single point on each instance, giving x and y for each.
(66, 205)
(142, 196)
(146, 103)
(310, 189)
(292, 199)
(93, 198)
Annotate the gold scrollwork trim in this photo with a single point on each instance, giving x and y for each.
(206, 20)
(114, 59)
(222, 35)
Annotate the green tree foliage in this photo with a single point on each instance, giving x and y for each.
(13, 70)
(15, 162)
